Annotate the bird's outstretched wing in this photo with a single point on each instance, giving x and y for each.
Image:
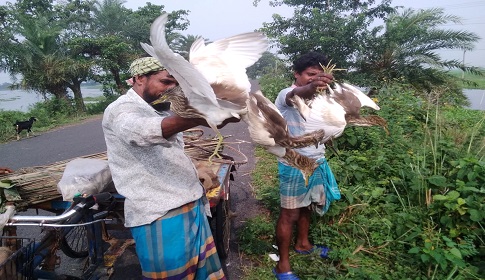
(268, 128)
(194, 85)
(224, 62)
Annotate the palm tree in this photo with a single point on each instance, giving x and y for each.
(110, 17)
(407, 50)
(181, 44)
(46, 65)
(35, 50)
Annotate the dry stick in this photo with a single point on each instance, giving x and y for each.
(39, 183)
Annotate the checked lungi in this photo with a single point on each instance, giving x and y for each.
(322, 188)
(178, 246)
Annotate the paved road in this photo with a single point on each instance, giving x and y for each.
(56, 145)
(87, 138)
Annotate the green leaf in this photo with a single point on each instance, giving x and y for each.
(12, 194)
(377, 192)
(454, 232)
(475, 215)
(460, 201)
(7, 184)
(455, 252)
(437, 180)
(461, 210)
(446, 220)
(453, 195)
(424, 258)
(414, 250)
(472, 176)
(352, 140)
(439, 197)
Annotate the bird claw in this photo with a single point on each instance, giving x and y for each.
(217, 148)
(320, 90)
(216, 153)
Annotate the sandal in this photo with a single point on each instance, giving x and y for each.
(285, 275)
(323, 251)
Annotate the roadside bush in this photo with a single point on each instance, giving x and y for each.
(100, 106)
(412, 201)
(272, 83)
(7, 120)
(49, 114)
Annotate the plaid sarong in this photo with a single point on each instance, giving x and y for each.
(178, 246)
(322, 188)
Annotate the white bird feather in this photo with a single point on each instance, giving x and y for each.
(194, 85)
(215, 81)
(224, 62)
(268, 128)
(340, 107)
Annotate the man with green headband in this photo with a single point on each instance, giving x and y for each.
(165, 206)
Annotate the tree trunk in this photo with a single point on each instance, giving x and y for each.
(121, 85)
(78, 97)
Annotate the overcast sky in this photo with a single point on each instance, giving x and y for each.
(216, 19)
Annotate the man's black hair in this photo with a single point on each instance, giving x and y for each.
(308, 60)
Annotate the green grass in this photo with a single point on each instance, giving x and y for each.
(95, 99)
(411, 206)
(50, 114)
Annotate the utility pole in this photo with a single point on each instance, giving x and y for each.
(463, 73)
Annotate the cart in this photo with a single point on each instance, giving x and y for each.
(37, 189)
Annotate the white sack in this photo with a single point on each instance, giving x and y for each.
(84, 176)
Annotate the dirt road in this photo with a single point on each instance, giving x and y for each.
(87, 138)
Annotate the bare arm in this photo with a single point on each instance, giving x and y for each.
(307, 91)
(175, 124)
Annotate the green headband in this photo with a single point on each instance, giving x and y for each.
(144, 65)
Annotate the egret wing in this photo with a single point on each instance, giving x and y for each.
(194, 85)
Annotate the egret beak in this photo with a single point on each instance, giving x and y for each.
(161, 99)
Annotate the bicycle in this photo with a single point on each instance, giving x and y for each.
(82, 221)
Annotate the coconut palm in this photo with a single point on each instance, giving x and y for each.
(35, 50)
(181, 44)
(407, 49)
(110, 17)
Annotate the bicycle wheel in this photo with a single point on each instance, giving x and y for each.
(75, 243)
(222, 234)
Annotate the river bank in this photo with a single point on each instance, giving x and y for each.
(20, 100)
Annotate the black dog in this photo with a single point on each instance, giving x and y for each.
(19, 126)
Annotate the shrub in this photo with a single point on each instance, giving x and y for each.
(412, 201)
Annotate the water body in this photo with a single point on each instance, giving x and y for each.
(476, 97)
(20, 100)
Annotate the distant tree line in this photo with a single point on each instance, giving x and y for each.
(55, 46)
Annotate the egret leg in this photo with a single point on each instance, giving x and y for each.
(218, 146)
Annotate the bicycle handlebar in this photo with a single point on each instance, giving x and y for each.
(92, 199)
(80, 204)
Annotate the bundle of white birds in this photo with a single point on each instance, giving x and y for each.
(268, 128)
(335, 109)
(214, 84)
